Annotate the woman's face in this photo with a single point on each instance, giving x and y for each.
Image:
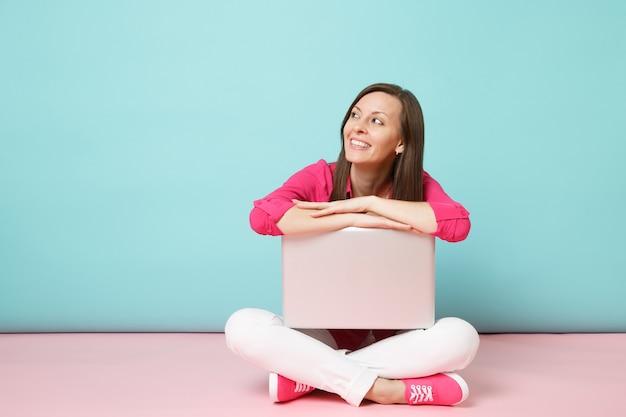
(372, 134)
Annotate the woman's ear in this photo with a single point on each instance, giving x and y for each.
(399, 148)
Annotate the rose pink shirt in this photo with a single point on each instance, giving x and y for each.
(315, 183)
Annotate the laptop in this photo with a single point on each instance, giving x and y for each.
(359, 278)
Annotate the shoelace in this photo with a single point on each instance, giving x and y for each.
(421, 393)
(301, 387)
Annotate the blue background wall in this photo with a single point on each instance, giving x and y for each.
(134, 136)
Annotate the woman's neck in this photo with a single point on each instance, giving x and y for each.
(366, 182)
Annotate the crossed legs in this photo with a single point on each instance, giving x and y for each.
(311, 357)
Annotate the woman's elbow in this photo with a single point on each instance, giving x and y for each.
(454, 230)
(261, 223)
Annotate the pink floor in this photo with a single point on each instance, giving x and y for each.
(159, 375)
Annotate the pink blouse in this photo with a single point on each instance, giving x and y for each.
(315, 183)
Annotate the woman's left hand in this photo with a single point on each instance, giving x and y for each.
(352, 205)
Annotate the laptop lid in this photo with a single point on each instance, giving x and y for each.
(358, 278)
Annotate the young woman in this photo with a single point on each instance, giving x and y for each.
(378, 181)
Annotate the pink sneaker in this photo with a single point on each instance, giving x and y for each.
(439, 389)
(283, 389)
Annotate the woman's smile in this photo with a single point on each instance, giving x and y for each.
(359, 144)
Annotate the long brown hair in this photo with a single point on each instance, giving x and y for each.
(406, 173)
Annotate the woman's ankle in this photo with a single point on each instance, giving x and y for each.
(387, 391)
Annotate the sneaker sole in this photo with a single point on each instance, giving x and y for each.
(273, 387)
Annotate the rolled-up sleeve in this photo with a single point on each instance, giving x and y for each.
(313, 183)
(453, 223)
(265, 214)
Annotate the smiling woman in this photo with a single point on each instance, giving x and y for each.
(377, 182)
(379, 171)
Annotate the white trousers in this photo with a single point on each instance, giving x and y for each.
(311, 356)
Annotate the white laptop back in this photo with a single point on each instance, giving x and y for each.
(358, 278)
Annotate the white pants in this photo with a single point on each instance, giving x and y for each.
(311, 356)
